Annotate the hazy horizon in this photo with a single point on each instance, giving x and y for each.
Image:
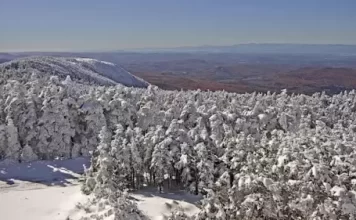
(40, 25)
(168, 49)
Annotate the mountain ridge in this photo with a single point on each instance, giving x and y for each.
(85, 70)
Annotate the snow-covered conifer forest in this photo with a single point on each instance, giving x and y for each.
(252, 156)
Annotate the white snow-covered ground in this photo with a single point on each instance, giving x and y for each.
(157, 205)
(40, 190)
(38, 202)
(50, 190)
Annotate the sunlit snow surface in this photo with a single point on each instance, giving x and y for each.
(89, 60)
(50, 190)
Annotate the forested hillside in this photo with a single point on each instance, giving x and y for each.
(253, 156)
(272, 156)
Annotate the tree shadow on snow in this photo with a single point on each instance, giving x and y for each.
(177, 195)
(50, 173)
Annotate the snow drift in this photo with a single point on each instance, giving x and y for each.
(83, 70)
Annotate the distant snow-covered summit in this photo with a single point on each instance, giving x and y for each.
(83, 70)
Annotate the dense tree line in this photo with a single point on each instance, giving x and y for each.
(253, 156)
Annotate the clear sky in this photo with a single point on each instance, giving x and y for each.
(48, 25)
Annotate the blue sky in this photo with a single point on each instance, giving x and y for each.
(48, 25)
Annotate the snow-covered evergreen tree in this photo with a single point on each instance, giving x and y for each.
(253, 156)
(12, 145)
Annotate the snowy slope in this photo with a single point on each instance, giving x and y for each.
(43, 190)
(59, 203)
(42, 203)
(83, 70)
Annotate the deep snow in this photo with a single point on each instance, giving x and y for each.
(35, 202)
(44, 190)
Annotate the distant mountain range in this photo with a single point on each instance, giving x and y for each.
(336, 49)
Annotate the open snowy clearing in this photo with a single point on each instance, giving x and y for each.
(43, 203)
(45, 190)
(156, 205)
